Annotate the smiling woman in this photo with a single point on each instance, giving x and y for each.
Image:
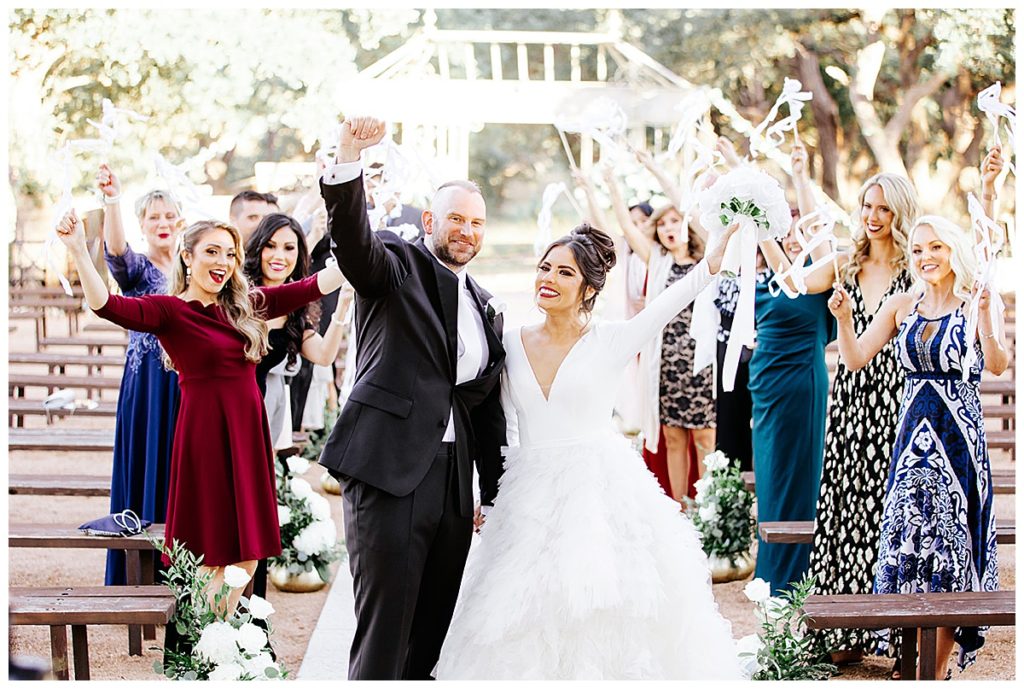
(222, 501)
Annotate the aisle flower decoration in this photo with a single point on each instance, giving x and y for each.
(722, 513)
(213, 643)
(782, 650)
(309, 536)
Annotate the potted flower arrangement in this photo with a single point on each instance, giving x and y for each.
(215, 644)
(722, 513)
(309, 537)
(782, 650)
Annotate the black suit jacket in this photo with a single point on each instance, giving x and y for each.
(406, 313)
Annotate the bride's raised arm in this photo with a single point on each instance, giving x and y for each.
(628, 337)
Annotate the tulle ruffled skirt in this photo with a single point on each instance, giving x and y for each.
(585, 569)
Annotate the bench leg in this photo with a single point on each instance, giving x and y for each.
(80, 646)
(148, 576)
(928, 650)
(59, 651)
(134, 576)
(908, 654)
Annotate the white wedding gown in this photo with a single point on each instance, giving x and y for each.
(585, 569)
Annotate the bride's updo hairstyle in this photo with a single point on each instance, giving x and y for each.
(594, 252)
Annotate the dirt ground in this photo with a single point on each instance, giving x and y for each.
(297, 614)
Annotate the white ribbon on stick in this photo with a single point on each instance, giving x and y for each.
(63, 205)
(551, 193)
(179, 183)
(765, 138)
(114, 121)
(798, 271)
(994, 109)
(989, 242)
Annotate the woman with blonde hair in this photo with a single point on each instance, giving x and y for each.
(222, 501)
(937, 517)
(147, 403)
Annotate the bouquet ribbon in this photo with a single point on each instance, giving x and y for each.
(743, 260)
(798, 271)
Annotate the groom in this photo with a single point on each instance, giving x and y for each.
(425, 407)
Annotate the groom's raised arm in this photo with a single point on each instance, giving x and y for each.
(371, 268)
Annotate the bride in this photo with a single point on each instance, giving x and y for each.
(585, 569)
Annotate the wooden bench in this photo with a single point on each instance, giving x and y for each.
(24, 291)
(94, 345)
(803, 532)
(1004, 481)
(911, 613)
(77, 485)
(34, 315)
(18, 409)
(71, 306)
(79, 607)
(59, 362)
(139, 570)
(102, 327)
(69, 440)
(18, 382)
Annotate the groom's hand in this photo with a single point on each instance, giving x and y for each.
(478, 518)
(358, 133)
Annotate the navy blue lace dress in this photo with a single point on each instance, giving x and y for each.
(147, 409)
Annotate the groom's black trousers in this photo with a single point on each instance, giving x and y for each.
(406, 555)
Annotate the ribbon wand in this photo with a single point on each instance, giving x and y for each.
(568, 151)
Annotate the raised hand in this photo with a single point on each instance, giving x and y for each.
(358, 133)
(839, 304)
(714, 257)
(991, 166)
(107, 182)
(71, 231)
(985, 301)
(798, 159)
(728, 151)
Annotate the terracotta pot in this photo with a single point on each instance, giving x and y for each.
(330, 484)
(730, 567)
(294, 583)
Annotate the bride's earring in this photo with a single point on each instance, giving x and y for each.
(188, 274)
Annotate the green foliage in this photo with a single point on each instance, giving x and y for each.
(722, 510)
(787, 651)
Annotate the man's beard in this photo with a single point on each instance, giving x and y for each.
(446, 256)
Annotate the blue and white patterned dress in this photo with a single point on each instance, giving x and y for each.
(938, 526)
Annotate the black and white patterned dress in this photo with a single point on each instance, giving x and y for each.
(685, 400)
(864, 408)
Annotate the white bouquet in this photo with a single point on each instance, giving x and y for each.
(753, 198)
(309, 537)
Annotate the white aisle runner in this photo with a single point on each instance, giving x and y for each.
(327, 654)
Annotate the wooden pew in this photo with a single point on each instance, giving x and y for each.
(139, 570)
(71, 306)
(1004, 481)
(94, 345)
(79, 607)
(69, 440)
(18, 382)
(803, 532)
(59, 362)
(78, 485)
(911, 613)
(19, 408)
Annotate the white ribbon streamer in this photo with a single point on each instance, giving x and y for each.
(765, 138)
(798, 271)
(114, 122)
(551, 193)
(181, 186)
(989, 242)
(994, 109)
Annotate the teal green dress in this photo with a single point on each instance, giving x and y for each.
(789, 393)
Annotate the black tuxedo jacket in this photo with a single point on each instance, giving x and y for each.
(406, 313)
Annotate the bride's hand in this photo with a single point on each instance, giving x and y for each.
(478, 518)
(714, 257)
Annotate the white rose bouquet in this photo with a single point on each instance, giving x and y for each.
(309, 537)
(213, 644)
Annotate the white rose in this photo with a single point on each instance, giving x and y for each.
(260, 608)
(228, 672)
(297, 465)
(701, 485)
(218, 643)
(257, 665)
(758, 590)
(708, 513)
(301, 488)
(236, 577)
(251, 638)
(751, 644)
(284, 514)
(319, 507)
(716, 460)
(316, 538)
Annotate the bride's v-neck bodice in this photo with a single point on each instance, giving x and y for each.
(583, 390)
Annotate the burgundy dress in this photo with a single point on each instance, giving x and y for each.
(222, 500)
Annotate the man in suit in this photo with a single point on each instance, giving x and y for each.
(424, 408)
